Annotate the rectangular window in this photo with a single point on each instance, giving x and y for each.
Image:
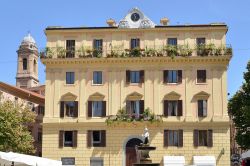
(70, 77)
(97, 77)
(96, 138)
(68, 138)
(70, 48)
(202, 137)
(97, 108)
(70, 161)
(70, 107)
(202, 108)
(200, 41)
(97, 47)
(135, 107)
(173, 138)
(135, 43)
(96, 161)
(135, 76)
(172, 107)
(172, 76)
(201, 76)
(172, 41)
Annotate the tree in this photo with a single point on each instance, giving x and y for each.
(239, 108)
(14, 121)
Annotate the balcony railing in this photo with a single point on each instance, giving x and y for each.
(147, 51)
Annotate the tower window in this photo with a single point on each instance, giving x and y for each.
(35, 66)
(24, 64)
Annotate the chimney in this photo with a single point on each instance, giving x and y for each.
(164, 21)
(111, 22)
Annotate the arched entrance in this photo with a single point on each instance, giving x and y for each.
(130, 150)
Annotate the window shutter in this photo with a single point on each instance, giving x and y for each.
(165, 107)
(180, 136)
(89, 137)
(200, 108)
(179, 76)
(76, 109)
(141, 106)
(204, 108)
(89, 108)
(210, 138)
(61, 135)
(204, 75)
(196, 137)
(165, 137)
(128, 110)
(179, 108)
(103, 138)
(141, 76)
(62, 109)
(75, 138)
(103, 108)
(165, 76)
(127, 76)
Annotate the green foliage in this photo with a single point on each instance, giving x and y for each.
(122, 116)
(14, 134)
(239, 109)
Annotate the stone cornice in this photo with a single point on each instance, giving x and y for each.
(146, 60)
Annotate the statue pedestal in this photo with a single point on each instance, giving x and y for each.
(143, 158)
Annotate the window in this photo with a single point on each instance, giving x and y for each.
(70, 48)
(96, 108)
(39, 137)
(25, 64)
(34, 66)
(135, 76)
(97, 77)
(200, 41)
(97, 47)
(172, 107)
(203, 138)
(135, 107)
(96, 161)
(70, 77)
(172, 41)
(135, 43)
(40, 110)
(67, 138)
(201, 76)
(96, 138)
(69, 109)
(173, 138)
(172, 76)
(202, 108)
(68, 161)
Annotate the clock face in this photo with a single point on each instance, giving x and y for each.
(135, 17)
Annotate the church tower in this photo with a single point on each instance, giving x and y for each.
(27, 67)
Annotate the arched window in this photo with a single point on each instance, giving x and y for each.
(24, 64)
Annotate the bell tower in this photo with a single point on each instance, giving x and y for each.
(27, 66)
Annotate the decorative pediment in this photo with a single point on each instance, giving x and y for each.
(96, 96)
(202, 94)
(134, 96)
(136, 19)
(172, 95)
(68, 97)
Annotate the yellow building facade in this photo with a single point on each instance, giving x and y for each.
(105, 84)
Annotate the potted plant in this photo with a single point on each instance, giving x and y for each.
(97, 53)
(184, 51)
(60, 51)
(228, 51)
(218, 51)
(171, 50)
(81, 52)
(150, 52)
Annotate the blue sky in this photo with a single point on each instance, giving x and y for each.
(18, 17)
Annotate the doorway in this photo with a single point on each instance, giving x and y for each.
(131, 152)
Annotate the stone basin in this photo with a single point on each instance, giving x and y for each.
(146, 147)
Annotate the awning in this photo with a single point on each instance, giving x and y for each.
(204, 160)
(174, 160)
(246, 154)
(24, 160)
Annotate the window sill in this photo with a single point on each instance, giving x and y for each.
(97, 84)
(172, 83)
(134, 84)
(69, 84)
(201, 83)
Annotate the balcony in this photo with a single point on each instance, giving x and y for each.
(147, 51)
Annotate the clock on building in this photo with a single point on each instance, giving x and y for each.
(135, 17)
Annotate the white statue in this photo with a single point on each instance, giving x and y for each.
(146, 136)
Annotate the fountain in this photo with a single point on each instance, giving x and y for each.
(142, 152)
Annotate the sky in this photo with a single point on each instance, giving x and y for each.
(20, 16)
